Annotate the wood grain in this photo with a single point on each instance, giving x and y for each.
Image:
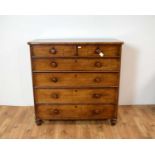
(53, 50)
(76, 64)
(91, 50)
(106, 95)
(73, 112)
(68, 74)
(134, 122)
(75, 79)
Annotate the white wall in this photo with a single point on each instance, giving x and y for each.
(138, 60)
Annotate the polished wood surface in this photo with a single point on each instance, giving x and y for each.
(75, 64)
(81, 96)
(94, 50)
(134, 122)
(75, 79)
(73, 112)
(54, 50)
(72, 72)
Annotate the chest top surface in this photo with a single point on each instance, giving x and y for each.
(75, 41)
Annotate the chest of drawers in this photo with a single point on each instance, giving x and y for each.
(75, 79)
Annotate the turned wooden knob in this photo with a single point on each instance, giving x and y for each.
(54, 79)
(97, 51)
(55, 96)
(96, 111)
(97, 80)
(97, 95)
(54, 64)
(53, 50)
(98, 64)
(56, 111)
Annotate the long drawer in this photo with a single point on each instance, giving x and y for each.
(90, 96)
(63, 112)
(54, 64)
(75, 79)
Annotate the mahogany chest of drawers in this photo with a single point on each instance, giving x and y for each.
(76, 79)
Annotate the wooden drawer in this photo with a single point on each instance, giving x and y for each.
(75, 79)
(76, 64)
(54, 50)
(94, 50)
(62, 112)
(61, 96)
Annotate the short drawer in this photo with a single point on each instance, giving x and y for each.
(76, 64)
(63, 112)
(90, 96)
(94, 50)
(53, 50)
(75, 79)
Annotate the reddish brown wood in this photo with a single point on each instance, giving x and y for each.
(95, 50)
(70, 112)
(80, 79)
(76, 64)
(107, 95)
(74, 81)
(54, 50)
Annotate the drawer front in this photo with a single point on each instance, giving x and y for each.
(63, 112)
(75, 79)
(76, 64)
(54, 50)
(94, 50)
(90, 96)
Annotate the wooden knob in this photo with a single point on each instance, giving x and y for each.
(97, 80)
(54, 64)
(56, 111)
(53, 50)
(55, 96)
(54, 79)
(97, 95)
(98, 64)
(96, 111)
(97, 51)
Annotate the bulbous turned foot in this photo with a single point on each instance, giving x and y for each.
(113, 121)
(39, 122)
